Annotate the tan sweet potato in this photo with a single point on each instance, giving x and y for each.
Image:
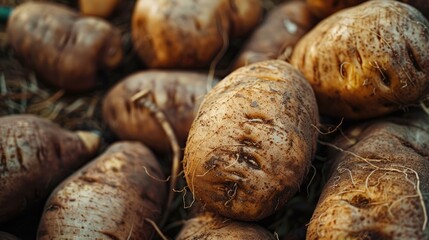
(177, 93)
(282, 28)
(188, 33)
(324, 8)
(35, 155)
(64, 49)
(252, 142)
(99, 8)
(379, 183)
(110, 198)
(368, 60)
(210, 226)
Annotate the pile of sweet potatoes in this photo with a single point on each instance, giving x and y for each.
(220, 119)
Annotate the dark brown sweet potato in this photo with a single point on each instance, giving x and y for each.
(283, 27)
(62, 47)
(176, 93)
(109, 198)
(35, 155)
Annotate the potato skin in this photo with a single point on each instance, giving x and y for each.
(63, 48)
(372, 192)
(235, 160)
(99, 8)
(368, 60)
(177, 93)
(187, 33)
(280, 31)
(109, 198)
(209, 226)
(324, 8)
(35, 155)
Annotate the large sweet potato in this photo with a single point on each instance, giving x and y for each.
(62, 47)
(252, 142)
(189, 33)
(110, 198)
(379, 183)
(368, 60)
(35, 155)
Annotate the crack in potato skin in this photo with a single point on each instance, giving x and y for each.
(252, 141)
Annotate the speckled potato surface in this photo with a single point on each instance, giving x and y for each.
(189, 33)
(252, 141)
(35, 155)
(209, 226)
(378, 185)
(109, 198)
(368, 60)
(177, 93)
(64, 49)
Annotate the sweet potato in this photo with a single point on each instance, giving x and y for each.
(379, 183)
(65, 49)
(99, 8)
(368, 60)
(110, 198)
(324, 8)
(188, 33)
(282, 28)
(177, 93)
(210, 226)
(35, 155)
(252, 141)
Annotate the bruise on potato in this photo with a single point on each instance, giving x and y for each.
(35, 155)
(284, 25)
(177, 93)
(109, 198)
(252, 141)
(64, 49)
(189, 33)
(379, 183)
(324, 8)
(368, 60)
(210, 226)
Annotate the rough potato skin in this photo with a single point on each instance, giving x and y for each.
(188, 33)
(64, 49)
(209, 226)
(177, 93)
(277, 35)
(35, 155)
(368, 60)
(324, 8)
(376, 182)
(99, 8)
(109, 198)
(252, 141)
